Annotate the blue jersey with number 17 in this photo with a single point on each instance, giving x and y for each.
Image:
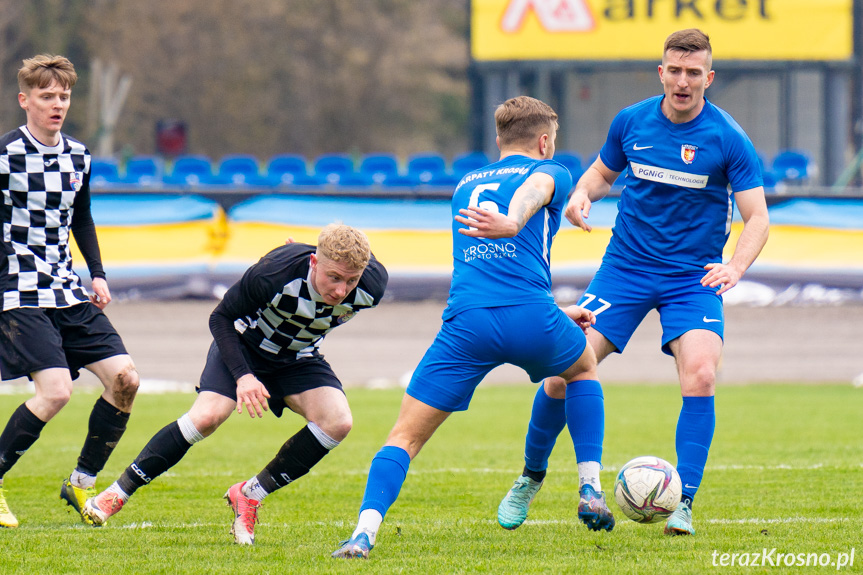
(674, 214)
(506, 271)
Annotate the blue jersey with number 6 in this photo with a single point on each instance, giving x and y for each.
(506, 271)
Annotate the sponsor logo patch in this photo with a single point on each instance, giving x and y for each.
(665, 176)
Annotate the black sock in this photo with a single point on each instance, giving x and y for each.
(106, 427)
(21, 432)
(535, 475)
(688, 500)
(161, 453)
(299, 454)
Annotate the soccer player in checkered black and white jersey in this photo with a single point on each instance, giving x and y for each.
(266, 332)
(50, 327)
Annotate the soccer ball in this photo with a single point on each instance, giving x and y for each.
(647, 489)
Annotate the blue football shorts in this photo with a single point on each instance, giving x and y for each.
(621, 298)
(538, 338)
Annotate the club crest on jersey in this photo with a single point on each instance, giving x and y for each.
(75, 180)
(345, 317)
(687, 153)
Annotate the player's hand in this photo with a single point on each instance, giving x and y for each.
(578, 210)
(486, 224)
(723, 276)
(101, 294)
(252, 393)
(290, 240)
(583, 318)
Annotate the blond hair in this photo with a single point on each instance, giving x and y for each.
(39, 71)
(344, 244)
(523, 119)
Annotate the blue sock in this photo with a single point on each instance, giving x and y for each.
(547, 420)
(694, 434)
(585, 417)
(386, 476)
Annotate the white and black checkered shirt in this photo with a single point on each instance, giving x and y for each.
(277, 313)
(42, 188)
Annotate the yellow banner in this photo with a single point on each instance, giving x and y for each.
(636, 29)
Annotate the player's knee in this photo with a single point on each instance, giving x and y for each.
(208, 421)
(337, 427)
(55, 397)
(125, 386)
(700, 380)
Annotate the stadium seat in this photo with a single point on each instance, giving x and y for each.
(288, 169)
(144, 171)
(104, 172)
(333, 168)
(380, 167)
(791, 166)
(240, 170)
(424, 168)
(191, 171)
(464, 163)
(572, 162)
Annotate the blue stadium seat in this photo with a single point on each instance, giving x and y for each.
(240, 170)
(145, 171)
(104, 172)
(423, 168)
(333, 168)
(464, 163)
(572, 162)
(380, 167)
(288, 169)
(191, 171)
(791, 166)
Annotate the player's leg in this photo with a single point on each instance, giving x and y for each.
(89, 340)
(693, 323)
(29, 346)
(326, 410)
(217, 399)
(416, 423)
(164, 450)
(443, 382)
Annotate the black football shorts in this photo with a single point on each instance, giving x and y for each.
(33, 339)
(281, 379)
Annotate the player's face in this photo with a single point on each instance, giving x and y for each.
(333, 280)
(46, 110)
(684, 78)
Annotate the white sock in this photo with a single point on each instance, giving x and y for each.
(82, 480)
(369, 522)
(588, 472)
(254, 490)
(115, 488)
(188, 429)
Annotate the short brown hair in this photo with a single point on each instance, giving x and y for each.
(688, 41)
(344, 244)
(522, 119)
(39, 71)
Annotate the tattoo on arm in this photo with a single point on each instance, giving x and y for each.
(525, 204)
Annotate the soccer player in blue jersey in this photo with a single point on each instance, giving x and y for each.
(500, 310)
(688, 161)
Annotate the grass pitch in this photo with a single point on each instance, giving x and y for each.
(785, 474)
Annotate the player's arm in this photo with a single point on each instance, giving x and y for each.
(593, 185)
(536, 192)
(84, 230)
(756, 223)
(241, 300)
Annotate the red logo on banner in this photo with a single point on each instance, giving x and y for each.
(554, 15)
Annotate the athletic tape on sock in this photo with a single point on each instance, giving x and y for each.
(324, 439)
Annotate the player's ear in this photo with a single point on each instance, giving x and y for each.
(22, 100)
(710, 75)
